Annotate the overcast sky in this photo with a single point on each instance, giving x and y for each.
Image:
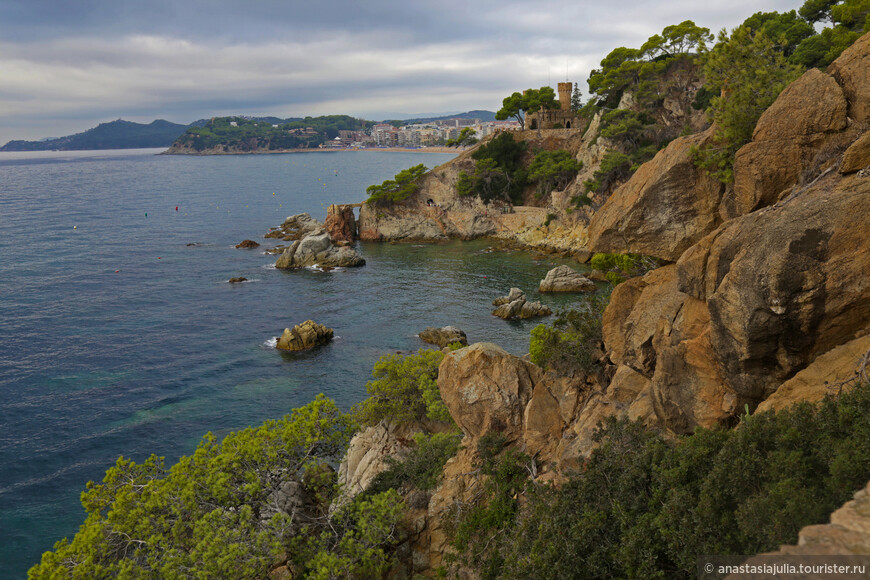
(66, 66)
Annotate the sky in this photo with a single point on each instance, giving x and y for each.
(67, 66)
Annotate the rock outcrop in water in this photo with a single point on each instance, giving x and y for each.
(318, 249)
(566, 279)
(341, 223)
(443, 337)
(515, 305)
(295, 227)
(304, 336)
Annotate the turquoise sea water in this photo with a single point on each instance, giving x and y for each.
(118, 337)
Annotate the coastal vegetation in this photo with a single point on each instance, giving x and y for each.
(553, 170)
(244, 134)
(572, 342)
(466, 137)
(644, 506)
(745, 92)
(400, 188)
(499, 172)
(422, 468)
(643, 498)
(213, 514)
(404, 388)
(619, 267)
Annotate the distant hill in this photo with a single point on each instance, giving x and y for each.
(482, 115)
(221, 135)
(113, 135)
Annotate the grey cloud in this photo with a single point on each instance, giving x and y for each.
(95, 60)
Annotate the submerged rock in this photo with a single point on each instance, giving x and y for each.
(237, 279)
(566, 279)
(443, 336)
(304, 336)
(318, 249)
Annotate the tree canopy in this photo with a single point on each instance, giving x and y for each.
(626, 67)
(553, 170)
(787, 30)
(530, 101)
(749, 71)
(466, 137)
(213, 515)
(402, 186)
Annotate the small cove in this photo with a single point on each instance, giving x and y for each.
(121, 334)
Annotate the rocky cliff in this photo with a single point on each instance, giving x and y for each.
(436, 213)
(764, 301)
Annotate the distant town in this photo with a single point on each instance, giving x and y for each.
(431, 134)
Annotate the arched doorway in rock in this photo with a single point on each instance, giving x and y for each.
(567, 124)
(534, 124)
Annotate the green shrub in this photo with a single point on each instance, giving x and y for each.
(753, 71)
(573, 340)
(465, 185)
(207, 512)
(404, 388)
(474, 530)
(618, 267)
(614, 167)
(553, 170)
(498, 173)
(645, 506)
(580, 200)
(422, 468)
(356, 544)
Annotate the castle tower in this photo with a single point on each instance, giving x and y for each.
(565, 90)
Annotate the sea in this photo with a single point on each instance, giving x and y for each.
(121, 336)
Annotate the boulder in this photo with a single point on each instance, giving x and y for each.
(748, 307)
(632, 316)
(689, 387)
(237, 280)
(857, 156)
(852, 71)
(486, 389)
(565, 279)
(443, 337)
(785, 284)
(295, 227)
(341, 223)
(788, 136)
(245, 244)
(513, 295)
(369, 450)
(666, 206)
(659, 339)
(304, 336)
(626, 396)
(515, 305)
(318, 249)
